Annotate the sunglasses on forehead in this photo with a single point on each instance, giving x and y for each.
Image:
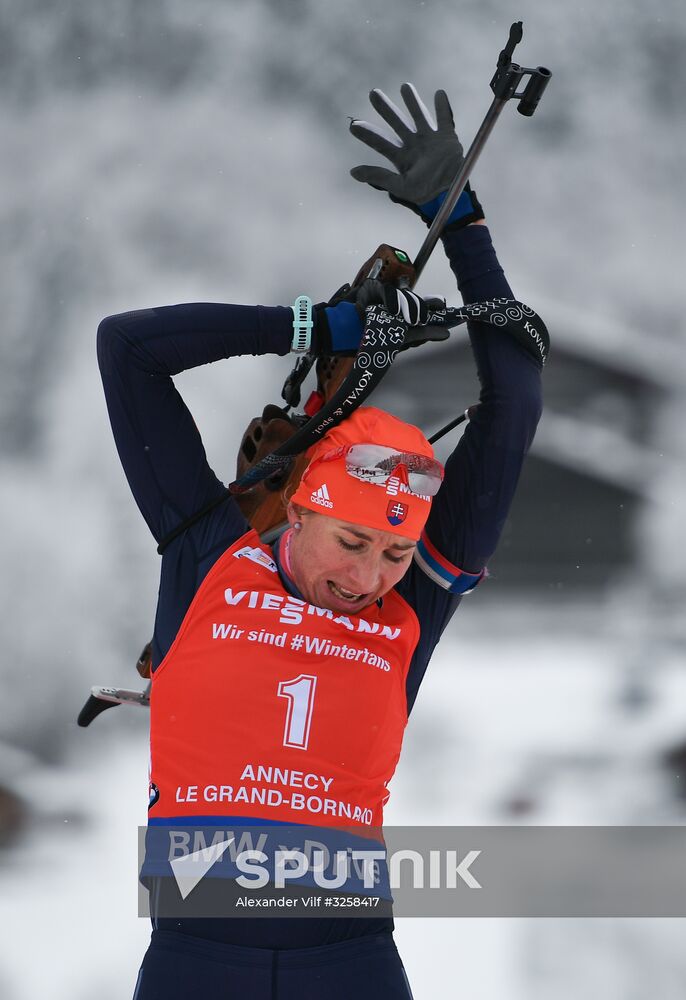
(374, 463)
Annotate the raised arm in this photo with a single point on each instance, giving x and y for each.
(481, 476)
(469, 512)
(482, 473)
(157, 440)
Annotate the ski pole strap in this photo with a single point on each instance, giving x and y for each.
(518, 320)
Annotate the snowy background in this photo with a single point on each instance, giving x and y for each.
(166, 152)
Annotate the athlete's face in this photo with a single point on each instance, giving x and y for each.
(343, 566)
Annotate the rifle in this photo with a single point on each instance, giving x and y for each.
(272, 451)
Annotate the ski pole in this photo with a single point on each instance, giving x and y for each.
(508, 76)
(102, 698)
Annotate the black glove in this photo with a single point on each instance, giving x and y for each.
(339, 324)
(427, 156)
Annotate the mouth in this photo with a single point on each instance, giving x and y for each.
(346, 596)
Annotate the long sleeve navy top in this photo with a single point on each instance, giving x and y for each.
(165, 463)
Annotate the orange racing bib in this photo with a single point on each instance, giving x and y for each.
(270, 708)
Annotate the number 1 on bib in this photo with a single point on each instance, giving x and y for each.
(300, 695)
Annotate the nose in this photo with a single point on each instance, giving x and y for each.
(363, 575)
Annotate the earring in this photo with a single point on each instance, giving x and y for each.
(297, 526)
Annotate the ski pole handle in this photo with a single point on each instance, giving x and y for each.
(534, 91)
(102, 698)
(507, 77)
(92, 709)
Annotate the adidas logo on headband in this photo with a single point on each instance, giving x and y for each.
(321, 497)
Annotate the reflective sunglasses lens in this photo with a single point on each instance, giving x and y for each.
(369, 462)
(375, 463)
(372, 457)
(424, 483)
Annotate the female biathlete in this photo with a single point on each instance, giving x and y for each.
(305, 658)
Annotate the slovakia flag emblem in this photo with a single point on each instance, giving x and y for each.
(396, 512)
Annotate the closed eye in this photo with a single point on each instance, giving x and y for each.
(350, 548)
(359, 546)
(407, 552)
